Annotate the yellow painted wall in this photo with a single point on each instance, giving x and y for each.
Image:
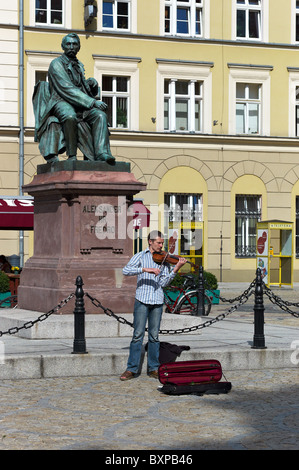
(148, 14)
(221, 23)
(279, 21)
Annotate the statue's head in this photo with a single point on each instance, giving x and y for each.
(71, 44)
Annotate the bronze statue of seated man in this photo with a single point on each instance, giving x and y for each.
(68, 111)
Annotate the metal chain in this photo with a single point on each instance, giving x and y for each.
(236, 299)
(283, 304)
(44, 316)
(108, 311)
(243, 299)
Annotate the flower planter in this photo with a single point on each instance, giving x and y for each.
(214, 298)
(3, 296)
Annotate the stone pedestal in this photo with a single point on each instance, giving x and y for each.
(81, 227)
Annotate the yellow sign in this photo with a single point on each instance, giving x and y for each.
(281, 226)
(192, 225)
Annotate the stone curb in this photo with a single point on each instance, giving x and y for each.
(103, 364)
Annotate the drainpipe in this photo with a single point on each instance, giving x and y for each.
(21, 119)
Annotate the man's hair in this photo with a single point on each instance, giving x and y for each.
(154, 234)
(71, 35)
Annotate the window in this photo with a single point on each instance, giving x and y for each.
(183, 227)
(118, 76)
(248, 101)
(293, 101)
(249, 20)
(41, 76)
(49, 12)
(184, 17)
(297, 227)
(247, 213)
(184, 96)
(116, 14)
(37, 70)
(55, 13)
(297, 112)
(182, 105)
(183, 207)
(115, 93)
(297, 22)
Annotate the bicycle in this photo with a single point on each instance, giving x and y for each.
(186, 301)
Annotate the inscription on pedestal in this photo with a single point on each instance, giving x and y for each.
(103, 223)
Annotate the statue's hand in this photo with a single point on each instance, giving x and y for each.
(92, 82)
(101, 105)
(93, 85)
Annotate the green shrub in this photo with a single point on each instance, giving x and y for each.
(211, 280)
(4, 282)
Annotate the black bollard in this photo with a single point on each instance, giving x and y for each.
(79, 345)
(200, 294)
(258, 337)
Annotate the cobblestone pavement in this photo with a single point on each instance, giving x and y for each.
(91, 413)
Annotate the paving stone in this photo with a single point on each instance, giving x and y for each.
(260, 412)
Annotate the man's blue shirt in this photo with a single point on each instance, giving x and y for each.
(149, 287)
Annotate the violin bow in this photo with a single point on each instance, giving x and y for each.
(165, 257)
(167, 253)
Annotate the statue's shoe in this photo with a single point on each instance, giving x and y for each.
(106, 157)
(53, 159)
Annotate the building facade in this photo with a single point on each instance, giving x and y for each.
(203, 103)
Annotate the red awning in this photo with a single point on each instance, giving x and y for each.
(141, 217)
(16, 213)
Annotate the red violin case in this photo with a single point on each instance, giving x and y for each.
(197, 377)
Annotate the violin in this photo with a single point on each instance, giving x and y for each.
(161, 257)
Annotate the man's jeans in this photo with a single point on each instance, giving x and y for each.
(142, 313)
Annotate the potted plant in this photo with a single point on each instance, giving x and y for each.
(4, 286)
(121, 118)
(212, 286)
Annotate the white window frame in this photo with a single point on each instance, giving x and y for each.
(114, 4)
(35, 62)
(191, 98)
(114, 94)
(67, 16)
(192, 6)
(293, 101)
(132, 17)
(264, 20)
(246, 101)
(128, 67)
(294, 14)
(190, 72)
(256, 75)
